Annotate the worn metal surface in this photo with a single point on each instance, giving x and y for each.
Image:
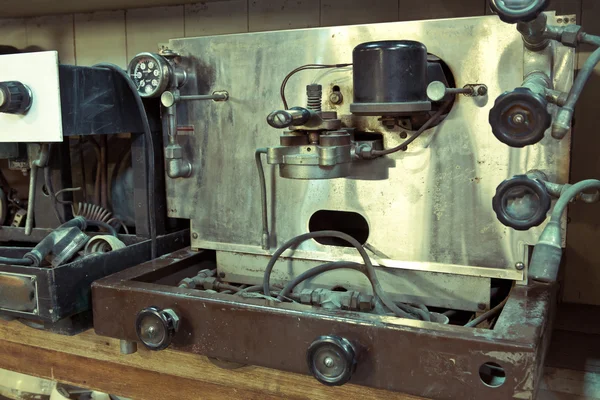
(420, 358)
(428, 208)
(18, 292)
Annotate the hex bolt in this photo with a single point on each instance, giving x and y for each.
(481, 306)
(335, 98)
(194, 235)
(520, 266)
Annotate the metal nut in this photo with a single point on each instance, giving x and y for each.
(336, 97)
(570, 35)
(306, 296)
(365, 302)
(209, 283)
(173, 152)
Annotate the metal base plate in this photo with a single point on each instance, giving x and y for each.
(420, 358)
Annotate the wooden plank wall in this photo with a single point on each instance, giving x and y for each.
(116, 36)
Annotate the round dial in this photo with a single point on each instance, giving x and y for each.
(151, 74)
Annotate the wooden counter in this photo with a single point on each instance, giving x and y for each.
(94, 362)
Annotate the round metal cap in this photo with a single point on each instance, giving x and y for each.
(331, 360)
(167, 99)
(436, 91)
(520, 118)
(513, 11)
(521, 202)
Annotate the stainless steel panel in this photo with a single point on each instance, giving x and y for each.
(19, 293)
(428, 205)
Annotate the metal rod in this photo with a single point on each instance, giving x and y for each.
(214, 96)
(459, 91)
(40, 162)
(263, 198)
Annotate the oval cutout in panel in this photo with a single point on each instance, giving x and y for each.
(347, 222)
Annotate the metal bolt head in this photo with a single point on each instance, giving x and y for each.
(328, 362)
(520, 266)
(518, 119)
(194, 235)
(481, 306)
(335, 98)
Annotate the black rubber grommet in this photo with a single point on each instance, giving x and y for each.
(331, 360)
(520, 118)
(499, 202)
(518, 12)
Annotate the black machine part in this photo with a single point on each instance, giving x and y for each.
(331, 360)
(155, 327)
(15, 98)
(521, 202)
(513, 11)
(151, 73)
(520, 118)
(390, 78)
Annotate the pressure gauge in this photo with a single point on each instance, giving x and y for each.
(151, 74)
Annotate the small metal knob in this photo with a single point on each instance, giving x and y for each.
(155, 327)
(15, 98)
(521, 202)
(513, 11)
(520, 118)
(331, 360)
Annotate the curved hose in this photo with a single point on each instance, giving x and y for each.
(487, 315)
(430, 121)
(420, 311)
(569, 195)
(16, 261)
(367, 261)
(562, 123)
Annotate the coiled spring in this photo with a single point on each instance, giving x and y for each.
(94, 212)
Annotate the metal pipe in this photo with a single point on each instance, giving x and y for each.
(214, 96)
(40, 162)
(263, 197)
(562, 123)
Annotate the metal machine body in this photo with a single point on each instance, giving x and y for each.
(428, 214)
(416, 226)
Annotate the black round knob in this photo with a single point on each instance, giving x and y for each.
(513, 11)
(521, 202)
(331, 360)
(155, 327)
(520, 118)
(15, 98)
